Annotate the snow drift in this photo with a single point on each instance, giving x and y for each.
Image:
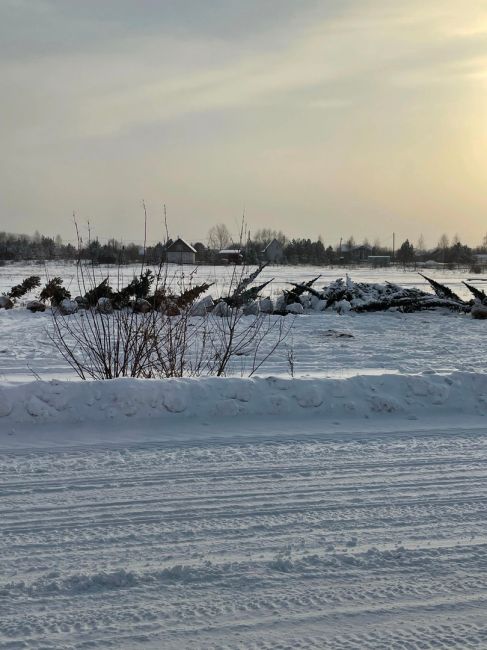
(214, 398)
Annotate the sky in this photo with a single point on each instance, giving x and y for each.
(315, 117)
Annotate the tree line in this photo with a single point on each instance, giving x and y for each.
(40, 247)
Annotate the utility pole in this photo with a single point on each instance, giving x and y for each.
(393, 246)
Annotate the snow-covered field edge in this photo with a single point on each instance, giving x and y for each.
(362, 396)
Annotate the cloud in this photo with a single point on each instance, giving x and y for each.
(55, 27)
(331, 105)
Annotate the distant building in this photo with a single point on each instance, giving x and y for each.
(379, 260)
(180, 252)
(354, 254)
(230, 256)
(273, 252)
(432, 264)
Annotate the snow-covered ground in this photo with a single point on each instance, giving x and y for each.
(344, 508)
(270, 532)
(379, 342)
(392, 341)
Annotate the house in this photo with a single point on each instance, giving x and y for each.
(230, 256)
(379, 260)
(354, 254)
(180, 252)
(273, 252)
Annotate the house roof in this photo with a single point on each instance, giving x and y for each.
(273, 241)
(182, 241)
(345, 248)
(432, 264)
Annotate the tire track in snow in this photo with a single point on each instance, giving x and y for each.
(354, 543)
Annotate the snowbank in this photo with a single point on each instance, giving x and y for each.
(214, 398)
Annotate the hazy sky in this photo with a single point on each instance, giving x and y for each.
(326, 117)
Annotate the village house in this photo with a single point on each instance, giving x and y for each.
(354, 254)
(273, 252)
(379, 260)
(230, 256)
(180, 252)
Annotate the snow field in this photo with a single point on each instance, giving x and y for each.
(380, 342)
(391, 341)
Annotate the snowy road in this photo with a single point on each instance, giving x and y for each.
(306, 540)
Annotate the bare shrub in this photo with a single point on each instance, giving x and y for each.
(106, 346)
(233, 335)
(168, 340)
(156, 344)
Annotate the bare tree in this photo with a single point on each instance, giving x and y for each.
(443, 242)
(219, 237)
(264, 236)
(421, 245)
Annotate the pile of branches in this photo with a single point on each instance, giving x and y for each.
(7, 300)
(243, 293)
(139, 291)
(54, 292)
(346, 295)
(340, 295)
(29, 284)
